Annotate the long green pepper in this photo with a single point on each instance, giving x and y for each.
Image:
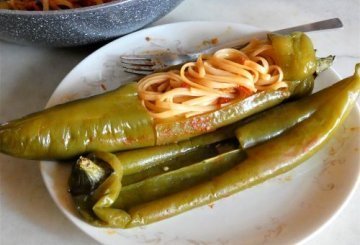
(293, 144)
(116, 121)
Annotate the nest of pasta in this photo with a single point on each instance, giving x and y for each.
(212, 82)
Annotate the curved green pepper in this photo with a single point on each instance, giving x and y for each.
(177, 180)
(117, 121)
(264, 161)
(143, 163)
(329, 109)
(283, 117)
(138, 160)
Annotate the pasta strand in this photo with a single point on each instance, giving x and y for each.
(211, 82)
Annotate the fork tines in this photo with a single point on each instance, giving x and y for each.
(138, 65)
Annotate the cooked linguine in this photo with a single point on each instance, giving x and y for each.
(212, 82)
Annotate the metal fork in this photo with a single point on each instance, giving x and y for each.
(146, 64)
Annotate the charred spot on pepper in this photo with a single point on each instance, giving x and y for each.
(87, 174)
(227, 145)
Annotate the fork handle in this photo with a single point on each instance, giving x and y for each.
(333, 23)
(315, 26)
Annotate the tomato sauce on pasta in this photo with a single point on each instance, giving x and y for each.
(211, 82)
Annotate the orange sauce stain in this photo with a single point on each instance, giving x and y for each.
(332, 151)
(209, 42)
(68, 97)
(329, 187)
(103, 86)
(354, 129)
(274, 232)
(214, 41)
(111, 232)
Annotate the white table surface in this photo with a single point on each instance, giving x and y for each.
(28, 76)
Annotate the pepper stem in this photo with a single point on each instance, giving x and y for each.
(357, 70)
(324, 63)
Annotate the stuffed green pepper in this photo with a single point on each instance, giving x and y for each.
(166, 107)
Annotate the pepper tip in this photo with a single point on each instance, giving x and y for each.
(357, 70)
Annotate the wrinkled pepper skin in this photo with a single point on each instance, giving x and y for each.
(300, 89)
(295, 144)
(294, 54)
(108, 122)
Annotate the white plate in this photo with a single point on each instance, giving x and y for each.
(284, 210)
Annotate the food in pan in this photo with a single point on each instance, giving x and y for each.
(45, 5)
